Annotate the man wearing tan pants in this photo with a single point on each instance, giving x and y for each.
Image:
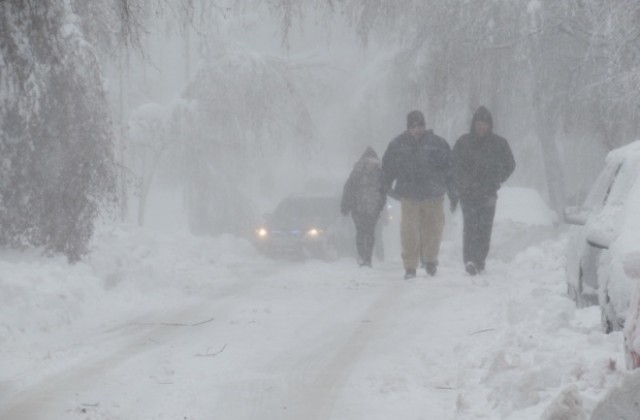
(417, 170)
(421, 231)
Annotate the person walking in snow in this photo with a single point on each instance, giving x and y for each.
(364, 197)
(482, 162)
(417, 167)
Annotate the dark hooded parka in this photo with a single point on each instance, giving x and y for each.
(481, 163)
(364, 197)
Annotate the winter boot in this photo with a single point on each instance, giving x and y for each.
(409, 274)
(364, 262)
(432, 268)
(471, 268)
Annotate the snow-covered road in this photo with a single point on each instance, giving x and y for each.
(212, 331)
(269, 348)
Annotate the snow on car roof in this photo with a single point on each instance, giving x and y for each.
(629, 151)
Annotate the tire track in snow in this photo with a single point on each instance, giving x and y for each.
(317, 399)
(338, 355)
(49, 399)
(301, 380)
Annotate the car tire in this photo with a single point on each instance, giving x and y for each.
(607, 325)
(577, 290)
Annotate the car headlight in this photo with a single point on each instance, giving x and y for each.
(262, 233)
(314, 233)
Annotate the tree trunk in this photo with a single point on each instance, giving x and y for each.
(121, 143)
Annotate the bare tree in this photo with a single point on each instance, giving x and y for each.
(55, 132)
(558, 71)
(245, 109)
(151, 137)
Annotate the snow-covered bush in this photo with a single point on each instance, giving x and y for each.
(55, 131)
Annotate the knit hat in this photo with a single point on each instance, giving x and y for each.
(415, 119)
(482, 114)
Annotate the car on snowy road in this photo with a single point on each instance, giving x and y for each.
(606, 232)
(306, 226)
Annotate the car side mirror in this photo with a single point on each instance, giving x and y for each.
(602, 228)
(599, 239)
(575, 215)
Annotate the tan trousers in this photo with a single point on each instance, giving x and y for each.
(421, 230)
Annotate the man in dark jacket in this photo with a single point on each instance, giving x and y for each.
(482, 162)
(364, 197)
(419, 163)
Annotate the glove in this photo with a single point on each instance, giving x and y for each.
(392, 193)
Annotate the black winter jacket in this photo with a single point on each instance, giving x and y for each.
(481, 165)
(364, 193)
(421, 168)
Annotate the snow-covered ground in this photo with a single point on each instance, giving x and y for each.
(172, 326)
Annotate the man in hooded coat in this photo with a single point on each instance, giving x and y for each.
(364, 197)
(482, 161)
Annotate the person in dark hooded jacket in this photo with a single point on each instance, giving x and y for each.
(482, 161)
(364, 197)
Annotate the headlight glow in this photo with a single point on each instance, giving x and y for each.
(314, 232)
(262, 233)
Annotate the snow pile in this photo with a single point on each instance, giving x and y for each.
(540, 348)
(131, 273)
(622, 402)
(522, 218)
(152, 261)
(567, 406)
(524, 206)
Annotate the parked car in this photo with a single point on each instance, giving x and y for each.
(606, 231)
(306, 226)
(631, 265)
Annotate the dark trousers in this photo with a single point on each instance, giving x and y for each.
(365, 234)
(378, 248)
(478, 223)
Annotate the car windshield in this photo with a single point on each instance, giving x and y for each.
(307, 210)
